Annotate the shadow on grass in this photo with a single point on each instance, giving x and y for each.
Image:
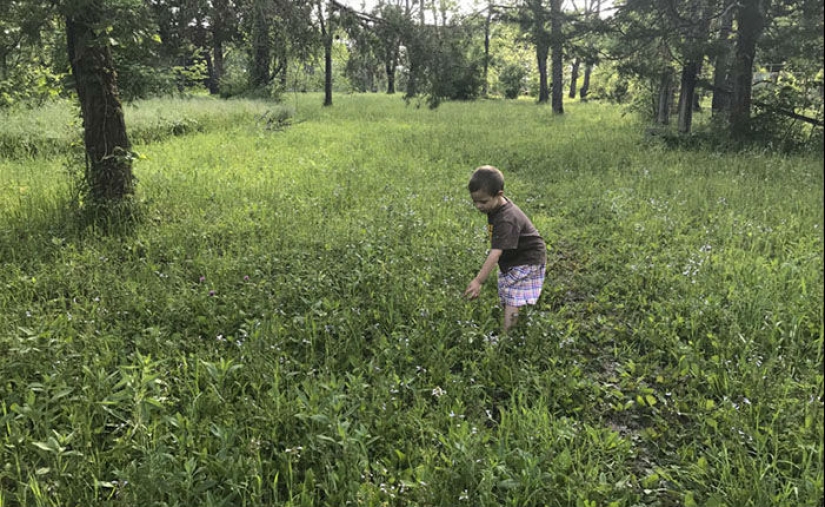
(35, 236)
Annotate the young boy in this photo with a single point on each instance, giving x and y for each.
(515, 245)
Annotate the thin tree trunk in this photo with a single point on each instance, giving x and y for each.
(390, 70)
(326, 35)
(541, 57)
(487, 21)
(585, 89)
(542, 41)
(328, 70)
(574, 78)
(557, 56)
(109, 167)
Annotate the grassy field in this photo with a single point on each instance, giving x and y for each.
(285, 325)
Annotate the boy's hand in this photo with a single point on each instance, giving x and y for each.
(473, 290)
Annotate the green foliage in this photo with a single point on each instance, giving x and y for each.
(512, 79)
(445, 66)
(285, 326)
(32, 54)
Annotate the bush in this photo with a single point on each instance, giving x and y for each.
(511, 80)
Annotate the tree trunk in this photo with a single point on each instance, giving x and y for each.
(687, 91)
(326, 36)
(665, 93)
(108, 151)
(557, 56)
(574, 78)
(541, 57)
(328, 70)
(217, 65)
(585, 89)
(720, 103)
(220, 16)
(211, 80)
(390, 70)
(542, 40)
(751, 23)
(259, 74)
(484, 87)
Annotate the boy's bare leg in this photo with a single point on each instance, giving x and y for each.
(510, 317)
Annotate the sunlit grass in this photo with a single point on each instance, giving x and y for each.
(285, 327)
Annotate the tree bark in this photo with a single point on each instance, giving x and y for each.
(720, 103)
(326, 34)
(259, 75)
(687, 91)
(487, 21)
(574, 78)
(665, 93)
(557, 56)
(328, 70)
(585, 89)
(751, 23)
(541, 57)
(389, 67)
(108, 151)
(535, 24)
(220, 21)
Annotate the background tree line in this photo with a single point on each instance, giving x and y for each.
(758, 62)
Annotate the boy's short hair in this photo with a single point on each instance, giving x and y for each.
(486, 178)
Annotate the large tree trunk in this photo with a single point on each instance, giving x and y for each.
(665, 94)
(220, 15)
(108, 151)
(720, 103)
(259, 73)
(687, 91)
(557, 56)
(751, 24)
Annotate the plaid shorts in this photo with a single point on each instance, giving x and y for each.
(520, 285)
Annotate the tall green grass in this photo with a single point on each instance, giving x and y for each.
(53, 129)
(285, 325)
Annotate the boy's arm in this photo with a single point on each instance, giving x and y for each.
(474, 289)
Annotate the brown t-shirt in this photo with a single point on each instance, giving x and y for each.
(511, 231)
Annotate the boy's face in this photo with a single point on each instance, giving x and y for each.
(485, 202)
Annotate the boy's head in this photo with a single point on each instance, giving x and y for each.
(487, 188)
(487, 179)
